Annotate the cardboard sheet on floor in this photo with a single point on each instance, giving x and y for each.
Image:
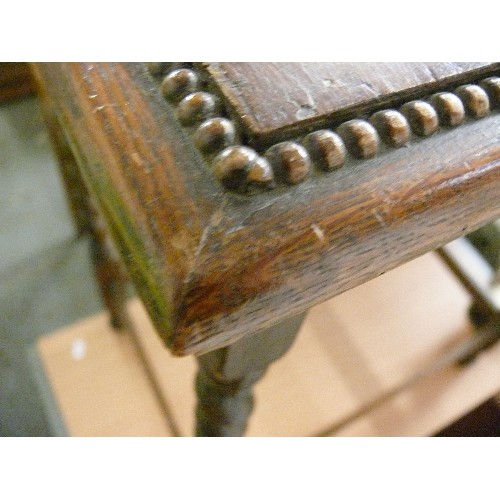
(351, 350)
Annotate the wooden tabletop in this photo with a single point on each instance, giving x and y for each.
(240, 194)
(277, 99)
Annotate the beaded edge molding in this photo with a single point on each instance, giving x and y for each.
(241, 169)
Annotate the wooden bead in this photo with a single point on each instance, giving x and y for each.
(392, 126)
(475, 100)
(360, 137)
(196, 107)
(157, 68)
(179, 83)
(232, 165)
(450, 109)
(326, 148)
(214, 135)
(422, 117)
(261, 173)
(292, 160)
(492, 87)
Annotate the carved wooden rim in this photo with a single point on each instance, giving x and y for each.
(242, 169)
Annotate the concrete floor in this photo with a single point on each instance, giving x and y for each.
(46, 281)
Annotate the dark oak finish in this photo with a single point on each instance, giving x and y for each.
(110, 274)
(213, 265)
(270, 98)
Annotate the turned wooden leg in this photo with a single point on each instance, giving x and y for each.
(226, 378)
(109, 271)
(477, 276)
(110, 274)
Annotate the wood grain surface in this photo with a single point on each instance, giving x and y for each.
(273, 99)
(154, 192)
(213, 266)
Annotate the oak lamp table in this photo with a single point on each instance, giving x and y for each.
(235, 196)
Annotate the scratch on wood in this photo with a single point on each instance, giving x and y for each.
(318, 232)
(380, 219)
(368, 87)
(100, 108)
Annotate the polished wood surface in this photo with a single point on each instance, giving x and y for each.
(273, 98)
(214, 264)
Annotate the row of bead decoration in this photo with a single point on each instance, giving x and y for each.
(241, 168)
